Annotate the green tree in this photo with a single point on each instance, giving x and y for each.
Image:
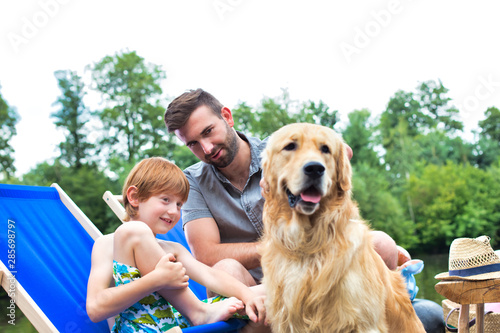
(379, 207)
(72, 117)
(399, 125)
(85, 186)
(422, 112)
(490, 126)
(245, 119)
(317, 113)
(493, 196)
(360, 136)
(133, 115)
(487, 150)
(412, 128)
(453, 201)
(183, 157)
(261, 121)
(438, 147)
(434, 104)
(274, 113)
(8, 120)
(403, 109)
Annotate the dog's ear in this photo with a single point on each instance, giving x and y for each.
(264, 161)
(267, 175)
(344, 171)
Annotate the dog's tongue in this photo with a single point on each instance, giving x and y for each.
(310, 195)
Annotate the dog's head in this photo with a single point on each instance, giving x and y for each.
(305, 164)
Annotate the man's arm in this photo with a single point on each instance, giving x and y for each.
(203, 238)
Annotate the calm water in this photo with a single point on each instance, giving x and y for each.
(433, 264)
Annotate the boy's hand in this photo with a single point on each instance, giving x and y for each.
(172, 274)
(256, 309)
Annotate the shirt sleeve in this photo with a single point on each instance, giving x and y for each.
(195, 207)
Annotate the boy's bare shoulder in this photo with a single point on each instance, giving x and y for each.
(104, 240)
(169, 246)
(103, 245)
(133, 226)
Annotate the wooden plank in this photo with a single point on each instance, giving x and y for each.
(463, 319)
(480, 317)
(470, 292)
(25, 303)
(77, 212)
(113, 202)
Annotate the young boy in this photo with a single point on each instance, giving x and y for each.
(153, 195)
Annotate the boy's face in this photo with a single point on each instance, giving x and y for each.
(209, 137)
(160, 212)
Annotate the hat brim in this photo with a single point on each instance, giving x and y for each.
(478, 277)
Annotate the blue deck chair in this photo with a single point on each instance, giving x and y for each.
(45, 244)
(45, 247)
(177, 235)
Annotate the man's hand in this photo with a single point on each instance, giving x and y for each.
(403, 256)
(170, 273)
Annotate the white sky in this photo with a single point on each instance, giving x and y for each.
(350, 54)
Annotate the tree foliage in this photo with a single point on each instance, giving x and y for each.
(414, 175)
(435, 109)
(274, 113)
(454, 201)
(380, 207)
(133, 115)
(490, 126)
(85, 186)
(360, 134)
(72, 117)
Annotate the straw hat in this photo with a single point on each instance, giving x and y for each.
(472, 259)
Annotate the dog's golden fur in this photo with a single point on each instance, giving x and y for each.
(321, 271)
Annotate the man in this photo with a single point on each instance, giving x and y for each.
(223, 215)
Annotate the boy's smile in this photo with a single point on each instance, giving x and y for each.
(160, 212)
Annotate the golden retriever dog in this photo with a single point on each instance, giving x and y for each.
(321, 271)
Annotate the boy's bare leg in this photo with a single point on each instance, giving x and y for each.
(198, 312)
(140, 248)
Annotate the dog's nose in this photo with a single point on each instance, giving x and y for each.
(314, 169)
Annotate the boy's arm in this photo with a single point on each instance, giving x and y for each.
(103, 299)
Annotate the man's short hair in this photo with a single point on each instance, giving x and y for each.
(181, 108)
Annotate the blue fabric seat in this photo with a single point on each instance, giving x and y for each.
(46, 243)
(51, 258)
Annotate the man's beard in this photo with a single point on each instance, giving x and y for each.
(231, 147)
